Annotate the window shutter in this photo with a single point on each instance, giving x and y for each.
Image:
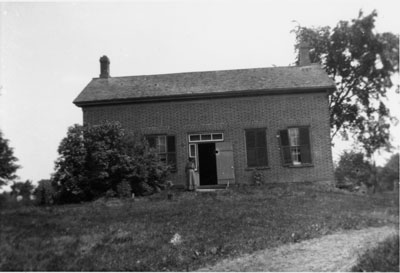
(284, 136)
(305, 151)
(251, 152)
(171, 144)
(261, 144)
(285, 148)
(171, 152)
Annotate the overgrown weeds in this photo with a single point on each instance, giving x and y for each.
(383, 258)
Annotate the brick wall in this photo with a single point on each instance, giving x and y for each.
(231, 116)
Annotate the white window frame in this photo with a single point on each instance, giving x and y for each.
(194, 156)
(294, 136)
(214, 137)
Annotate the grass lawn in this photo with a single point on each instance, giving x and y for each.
(136, 235)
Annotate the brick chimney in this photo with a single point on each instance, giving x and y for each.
(104, 67)
(304, 54)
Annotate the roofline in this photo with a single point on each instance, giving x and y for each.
(211, 71)
(197, 96)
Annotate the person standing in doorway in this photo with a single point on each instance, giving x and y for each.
(190, 175)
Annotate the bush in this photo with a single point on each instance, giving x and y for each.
(383, 258)
(258, 177)
(96, 159)
(149, 173)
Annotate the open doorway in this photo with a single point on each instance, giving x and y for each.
(207, 164)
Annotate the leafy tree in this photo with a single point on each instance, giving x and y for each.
(7, 162)
(22, 188)
(362, 63)
(353, 170)
(98, 159)
(70, 175)
(45, 192)
(390, 172)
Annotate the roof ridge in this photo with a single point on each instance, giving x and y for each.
(212, 71)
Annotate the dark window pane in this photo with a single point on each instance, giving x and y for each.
(260, 138)
(251, 157)
(256, 146)
(217, 137)
(262, 159)
(194, 138)
(205, 137)
(250, 139)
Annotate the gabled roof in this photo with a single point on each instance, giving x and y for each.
(241, 82)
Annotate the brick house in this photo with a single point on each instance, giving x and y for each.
(232, 122)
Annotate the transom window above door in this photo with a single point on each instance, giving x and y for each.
(206, 137)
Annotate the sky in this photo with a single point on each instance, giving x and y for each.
(50, 51)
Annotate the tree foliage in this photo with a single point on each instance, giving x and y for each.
(361, 61)
(24, 189)
(353, 170)
(45, 192)
(389, 174)
(97, 159)
(8, 165)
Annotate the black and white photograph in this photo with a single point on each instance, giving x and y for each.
(199, 135)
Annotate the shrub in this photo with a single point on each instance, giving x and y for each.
(383, 258)
(95, 159)
(110, 193)
(258, 177)
(149, 173)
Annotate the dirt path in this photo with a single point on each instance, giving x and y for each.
(336, 252)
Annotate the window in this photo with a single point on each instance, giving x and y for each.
(206, 137)
(295, 146)
(256, 147)
(165, 148)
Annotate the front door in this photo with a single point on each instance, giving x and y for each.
(225, 170)
(207, 164)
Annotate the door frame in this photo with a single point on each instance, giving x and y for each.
(194, 139)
